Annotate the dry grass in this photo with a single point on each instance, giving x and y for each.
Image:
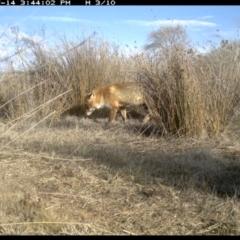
(188, 93)
(55, 181)
(73, 68)
(77, 176)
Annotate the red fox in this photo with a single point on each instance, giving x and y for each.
(115, 96)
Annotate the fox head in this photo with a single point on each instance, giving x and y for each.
(89, 103)
(92, 102)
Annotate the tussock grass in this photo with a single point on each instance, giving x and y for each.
(187, 93)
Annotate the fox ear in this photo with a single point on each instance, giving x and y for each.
(92, 95)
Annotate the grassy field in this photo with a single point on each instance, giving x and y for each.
(79, 176)
(64, 174)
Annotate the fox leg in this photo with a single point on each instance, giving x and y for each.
(124, 114)
(112, 114)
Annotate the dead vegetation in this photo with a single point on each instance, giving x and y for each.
(55, 181)
(189, 93)
(66, 175)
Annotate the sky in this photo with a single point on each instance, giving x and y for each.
(125, 25)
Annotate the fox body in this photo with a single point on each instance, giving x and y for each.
(115, 96)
